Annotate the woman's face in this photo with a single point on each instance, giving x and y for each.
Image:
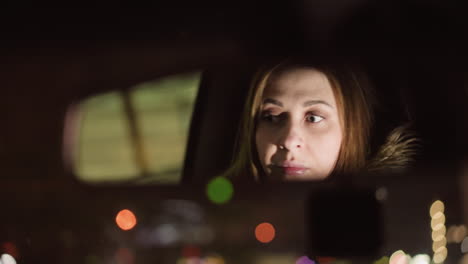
(298, 133)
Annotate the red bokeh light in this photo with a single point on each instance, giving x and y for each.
(126, 220)
(265, 232)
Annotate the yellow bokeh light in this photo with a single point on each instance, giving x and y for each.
(213, 260)
(437, 215)
(437, 238)
(439, 257)
(439, 245)
(437, 206)
(439, 234)
(438, 223)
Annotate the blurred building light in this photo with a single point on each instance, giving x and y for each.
(124, 256)
(439, 239)
(459, 234)
(304, 260)
(464, 245)
(439, 245)
(440, 255)
(219, 190)
(437, 206)
(166, 234)
(438, 223)
(382, 260)
(439, 258)
(191, 260)
(92, 259)
(464, 259)
(7, 259)
(381, 194)
(213, 259)
(438, 234)
(125, 219)
(186, 209)
(399, 257)
(450, 234)
(11, 249)
(265, 232)
(203, 234)
(420, 259)
(191, 251)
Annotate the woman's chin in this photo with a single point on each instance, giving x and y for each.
(305, 175)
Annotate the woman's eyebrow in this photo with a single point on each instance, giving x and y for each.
(313, 102)
(272, 101)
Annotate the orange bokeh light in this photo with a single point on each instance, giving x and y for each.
(125, 219)
(265, 232)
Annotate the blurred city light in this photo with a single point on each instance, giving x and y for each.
(456, 234)
(439, 234)
(437, 206)
(125, 219)
(459, 234)
(440, 256)
(213, 259)
(219, 190)
(191, 251)
(381, 194)
(265, 232)
(439, 245)
(304, 260)
(92, 259)
(439, 240)
(11, 249)
(399, 257)
(464, 259)
(382, 260)
(464, 245)
(193, 260)
(7, 259)
(124, 256)
(165, 234)
(326, 260)
(421, 259)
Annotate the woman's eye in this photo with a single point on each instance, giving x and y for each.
(313, 118)
(271, 118)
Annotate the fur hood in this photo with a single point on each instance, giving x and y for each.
(398, 151)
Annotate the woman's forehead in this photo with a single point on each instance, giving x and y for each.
(299, 82)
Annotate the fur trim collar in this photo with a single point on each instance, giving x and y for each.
(398, 151)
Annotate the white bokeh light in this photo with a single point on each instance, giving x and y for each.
(7, 259)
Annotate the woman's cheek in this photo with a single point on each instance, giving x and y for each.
(265, 146)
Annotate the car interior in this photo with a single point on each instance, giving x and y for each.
(117, 125)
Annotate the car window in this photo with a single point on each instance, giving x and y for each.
(136, 135)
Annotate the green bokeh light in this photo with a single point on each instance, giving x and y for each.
(219, 190)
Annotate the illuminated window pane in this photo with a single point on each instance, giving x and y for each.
(140, 136)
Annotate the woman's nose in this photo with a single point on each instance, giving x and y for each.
(291, 137)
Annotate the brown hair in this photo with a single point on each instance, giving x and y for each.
(352, 94)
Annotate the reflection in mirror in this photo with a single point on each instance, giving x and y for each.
(137, 135)
(307, 122)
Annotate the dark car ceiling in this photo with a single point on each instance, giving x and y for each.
(52, 57)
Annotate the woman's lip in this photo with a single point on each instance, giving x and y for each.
(292, 170)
